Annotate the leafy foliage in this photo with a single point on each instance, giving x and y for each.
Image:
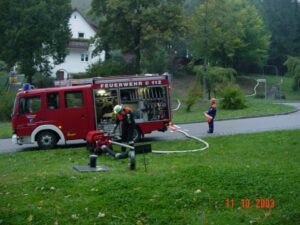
(215, 78)
(194, 93)
(293, 70)
(155, 62)
(34, 30)
(6, 104)
(232, 98)
(283, 20)
(3, 65)
(136, 27)
(109, 67)
(42, 81)
(229, 33)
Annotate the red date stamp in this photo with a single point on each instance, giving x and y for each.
(245, 203)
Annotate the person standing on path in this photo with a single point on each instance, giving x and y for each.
(211, 114)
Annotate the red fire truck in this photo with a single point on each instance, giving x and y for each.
(65, 113)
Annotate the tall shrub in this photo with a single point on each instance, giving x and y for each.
(6, 104)
(110, 67)
(293, 70)
(232, 98)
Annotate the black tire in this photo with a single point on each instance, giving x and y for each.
(137, 135)
(47, 140)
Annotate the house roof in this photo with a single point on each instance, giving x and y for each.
(92, 24)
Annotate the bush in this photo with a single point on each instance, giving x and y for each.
(3, 65)
(233, 98)
(79, 75)
(6, 104)
(110, 67)
(296, 82)
(42, 81)
(293, 70)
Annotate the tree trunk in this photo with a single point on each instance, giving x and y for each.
(137, 49)
(209, 94)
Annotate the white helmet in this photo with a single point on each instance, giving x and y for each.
(118, 108)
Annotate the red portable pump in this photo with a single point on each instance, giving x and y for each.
(97, 138)
(101, 142)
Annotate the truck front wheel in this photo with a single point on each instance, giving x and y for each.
(47, 140)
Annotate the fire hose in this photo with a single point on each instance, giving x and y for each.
(254, 93)
(175, 128)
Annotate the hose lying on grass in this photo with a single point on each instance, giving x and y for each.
(254, 93)
(178, 105)
(177, 129)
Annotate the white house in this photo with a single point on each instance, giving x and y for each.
(80, 48)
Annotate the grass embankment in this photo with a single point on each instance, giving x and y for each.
(283, 82)
(41, 187)
(255, 107)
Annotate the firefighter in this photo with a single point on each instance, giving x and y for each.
(125, 118)
(211, 114)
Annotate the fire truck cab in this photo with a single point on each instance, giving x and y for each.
(69, 112)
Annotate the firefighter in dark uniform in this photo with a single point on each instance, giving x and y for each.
(125, 118)
(211, 114)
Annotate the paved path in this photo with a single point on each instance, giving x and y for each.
(226, 127)
(238, 126)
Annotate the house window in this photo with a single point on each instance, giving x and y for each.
(84, 57)
(80, 35)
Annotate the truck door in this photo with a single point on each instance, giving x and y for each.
(29, 115)
(75, 115)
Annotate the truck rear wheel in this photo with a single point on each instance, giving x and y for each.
(47, 140)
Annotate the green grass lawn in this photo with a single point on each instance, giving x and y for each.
(5, 129)
(286, 86)
(40, 187)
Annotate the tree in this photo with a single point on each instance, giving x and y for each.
(138, 28)
(194, 93)
(33, 32)
(283, 20)
(229, 33)
(215, 78)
